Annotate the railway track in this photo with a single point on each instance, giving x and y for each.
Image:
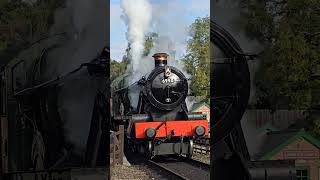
(183, 168)
(171, 167)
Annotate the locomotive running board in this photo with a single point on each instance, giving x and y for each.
(181, 128)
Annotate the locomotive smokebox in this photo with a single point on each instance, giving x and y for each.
(160, 59)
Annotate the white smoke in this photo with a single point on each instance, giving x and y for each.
(170, 22)
(137, 16)
(84, 23)
(141, 17)
(165, 44)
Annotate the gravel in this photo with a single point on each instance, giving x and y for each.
(185, 168)
(134, 172)
(205, 158)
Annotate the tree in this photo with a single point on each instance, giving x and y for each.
(197, 58)
(149, 43)
(291, 53)
(290, 32)
(120, 68)
(117, 68)
(24, 19)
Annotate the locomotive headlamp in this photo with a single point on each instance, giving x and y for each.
(161, 58)
(199, 130)
(150, 133)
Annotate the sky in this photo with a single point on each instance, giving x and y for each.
(170, 18)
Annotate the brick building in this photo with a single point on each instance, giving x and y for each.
(297, 145)
(202, 107)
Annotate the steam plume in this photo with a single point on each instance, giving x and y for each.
(137, 16)
(84, 22)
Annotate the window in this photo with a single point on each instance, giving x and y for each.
(302, 174)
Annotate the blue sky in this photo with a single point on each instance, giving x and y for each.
(179, 14)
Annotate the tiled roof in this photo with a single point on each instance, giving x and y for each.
(196, 106)
(275, 141)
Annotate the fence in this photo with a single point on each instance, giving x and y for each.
(116, 146)
(7, 30)
(258, 117)
(201, 146)
(279, 118)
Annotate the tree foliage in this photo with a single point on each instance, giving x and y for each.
(290, 32)
(26, 21)
(197, 58)
(117, 68)
(149, 43)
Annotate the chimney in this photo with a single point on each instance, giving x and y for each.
(160, 59)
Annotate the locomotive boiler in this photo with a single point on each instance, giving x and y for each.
(161, 123)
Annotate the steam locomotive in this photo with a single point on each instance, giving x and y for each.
(35, 139)
(161, 123)
(230, 94)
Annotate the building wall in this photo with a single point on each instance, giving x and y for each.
(204, 110)
(305, 155)
(312, 165)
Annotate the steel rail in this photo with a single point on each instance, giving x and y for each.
(168, 170)
(182, 174)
